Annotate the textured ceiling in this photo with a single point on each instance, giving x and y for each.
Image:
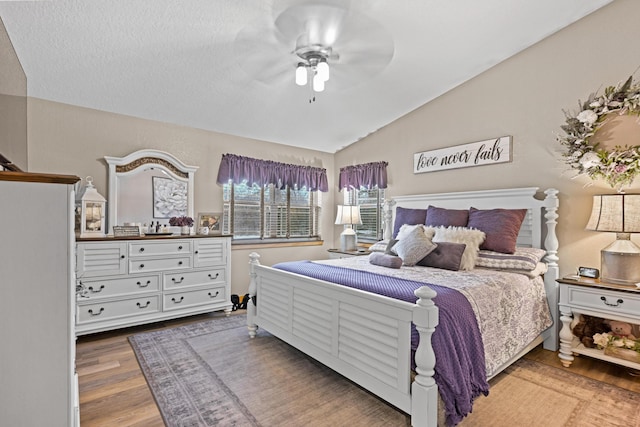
(223, 65)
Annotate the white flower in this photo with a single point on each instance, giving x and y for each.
(587, 117)
(601, 339)
(595, 104)
(590, 160)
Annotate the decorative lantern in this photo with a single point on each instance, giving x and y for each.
(90, 211)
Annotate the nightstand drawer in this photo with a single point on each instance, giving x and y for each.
(603, 299)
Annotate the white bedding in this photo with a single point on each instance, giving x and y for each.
(511, 308)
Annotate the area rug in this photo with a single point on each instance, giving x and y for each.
(212, 374)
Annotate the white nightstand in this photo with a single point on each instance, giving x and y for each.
(595, 298)
(337, 253)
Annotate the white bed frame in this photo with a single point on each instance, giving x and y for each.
(366, 337)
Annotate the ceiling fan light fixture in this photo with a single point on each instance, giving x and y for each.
(301, 74)
(318, 82)
(323, 69)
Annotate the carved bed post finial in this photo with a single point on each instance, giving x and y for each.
(424, 388)
(551, 214)
(387, 219)
(254, 259)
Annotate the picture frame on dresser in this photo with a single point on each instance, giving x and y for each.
(211, 220)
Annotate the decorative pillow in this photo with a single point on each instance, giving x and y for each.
(440, 217)
(380, 246)
(414, 246)
(408, 216)
(500, 225)
(521, 259)
(472, 238)
(390, 245)
(446, 255)
(385, 260)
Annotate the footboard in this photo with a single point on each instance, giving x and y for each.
(363, 336)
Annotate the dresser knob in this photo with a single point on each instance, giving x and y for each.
(180, 247)
(195, 252)
(121, 256)
(610, 304)
(141, 265)
(141, 249)
(179, 262)
(143, 306)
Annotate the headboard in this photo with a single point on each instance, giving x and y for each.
(540, 211)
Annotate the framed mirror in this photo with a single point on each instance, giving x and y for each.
(148, 185)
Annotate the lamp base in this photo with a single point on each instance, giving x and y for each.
(348, 241)
(621, 263)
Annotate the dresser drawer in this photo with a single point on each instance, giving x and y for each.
(162, 264)
(98, 312)
(604, 300)
(213, 276)
(173, 247)
(181, 300)
(115, 287)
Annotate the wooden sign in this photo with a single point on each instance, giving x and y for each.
(479, 153)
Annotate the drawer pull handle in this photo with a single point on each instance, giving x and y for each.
(96, 314)
(141, 249)
(93, 291)
(620, 301)
(143, 306)
(145, 285)
(213, 296)
(177, 301)
(173, 279)
(214, 277)
(180, 247)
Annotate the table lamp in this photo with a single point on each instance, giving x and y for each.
(347, 216)
(620, 214)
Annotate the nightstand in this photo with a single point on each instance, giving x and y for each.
(337, 253)
(592, 297)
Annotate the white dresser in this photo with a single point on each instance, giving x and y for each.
(38, 386)
(131, 281)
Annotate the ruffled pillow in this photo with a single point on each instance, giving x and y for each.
(470, 237)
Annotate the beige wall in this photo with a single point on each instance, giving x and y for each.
(13, 103)
(524, 97)
(74, 140)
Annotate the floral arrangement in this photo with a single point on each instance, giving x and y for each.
(181, 221)
(610, 340)
(619, 166)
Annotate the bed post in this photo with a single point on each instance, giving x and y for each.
(424, 388)
(387, 231)
(551, 204)
(254, 259)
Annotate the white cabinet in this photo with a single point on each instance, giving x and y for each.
(37, 293)
(141, 280)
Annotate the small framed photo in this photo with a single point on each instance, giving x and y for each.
(211, 220)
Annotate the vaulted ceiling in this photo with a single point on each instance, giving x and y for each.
(229, 65)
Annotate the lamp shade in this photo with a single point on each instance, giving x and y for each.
(616, 213)
(348, 215)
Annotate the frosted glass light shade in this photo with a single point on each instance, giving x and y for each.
(301, 75)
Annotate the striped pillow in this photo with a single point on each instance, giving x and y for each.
(522, 259)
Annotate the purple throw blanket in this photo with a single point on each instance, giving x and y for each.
(460, 365)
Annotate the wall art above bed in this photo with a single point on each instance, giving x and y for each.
(479, 153)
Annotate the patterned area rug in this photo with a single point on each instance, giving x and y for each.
(212, 374)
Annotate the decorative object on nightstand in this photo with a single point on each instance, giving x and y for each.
(347, 216)
(90, 209)
(620, 214)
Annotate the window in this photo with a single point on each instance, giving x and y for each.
(371, 212)
(268, 213)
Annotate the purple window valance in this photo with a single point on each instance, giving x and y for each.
(263, 172)
(367, 175)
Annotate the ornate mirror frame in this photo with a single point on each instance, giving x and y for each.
(136, 163)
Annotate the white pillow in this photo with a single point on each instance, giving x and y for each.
(407, 228)
(471, 237)
(414, 246)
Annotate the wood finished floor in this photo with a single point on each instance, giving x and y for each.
(113, 391)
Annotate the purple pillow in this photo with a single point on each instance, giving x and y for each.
(501, 227)
(408, 216)
(446, 256)
(385, 260)
(437, 217)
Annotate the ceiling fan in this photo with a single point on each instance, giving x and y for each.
(303, 41)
